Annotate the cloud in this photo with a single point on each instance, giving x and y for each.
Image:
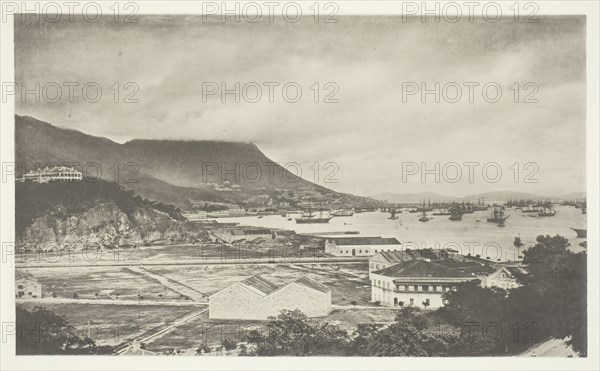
(371, 131)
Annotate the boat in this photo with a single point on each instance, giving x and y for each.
(309, 218)
(393, 215)
(497, 216)
(342, 213)
(423, 217)
(581, 233)
(456, 215)
(547, 212)
(442, 212)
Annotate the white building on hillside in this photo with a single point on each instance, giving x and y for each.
(52, 174)
(360, 246)
(255, 298)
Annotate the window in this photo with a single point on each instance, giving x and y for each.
(378, 283)
(377, 266)
(405, 287)
(412, 301)
(20, 287)
(388, 285)
(372, 265)
(434, 288)
(416, 287)
(425, 288)
(360, 251)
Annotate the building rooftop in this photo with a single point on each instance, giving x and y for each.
(265, 287)
(24, 275)
(352, 241)
(259, 283)
(405, 255)
(469, 267)
(309, 282)
(515, 271)
(421, 268)
(397, 256)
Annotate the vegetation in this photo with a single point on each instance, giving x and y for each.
(44, 332)
(550, 303)
(63, 199)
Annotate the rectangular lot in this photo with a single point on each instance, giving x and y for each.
(114, 324)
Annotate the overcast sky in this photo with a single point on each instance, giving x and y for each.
(370, 132)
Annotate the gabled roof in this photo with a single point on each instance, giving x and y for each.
(310, 283)
(470, 267)
(263, 287)
(24, 275)
(352, 241)
(397, 256)
(515, 271)
(405, 255)
(260, 284)
(421, 268)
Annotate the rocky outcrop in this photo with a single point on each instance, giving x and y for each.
(105, 225)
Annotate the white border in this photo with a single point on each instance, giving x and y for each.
(7, 308)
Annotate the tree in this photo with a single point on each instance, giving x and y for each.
(43, 332)
(290, 333)
(557, 282)
(203, 349)
(229, 344)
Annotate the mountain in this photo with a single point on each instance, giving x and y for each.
(169, 171)
(412, 197)
(488, 196)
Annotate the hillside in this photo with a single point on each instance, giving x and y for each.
(164, 170)
(93, 214)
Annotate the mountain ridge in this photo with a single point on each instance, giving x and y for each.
(173, 171)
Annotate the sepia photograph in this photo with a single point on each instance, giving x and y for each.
(228, 185)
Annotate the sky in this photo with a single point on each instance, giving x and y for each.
(370, 130)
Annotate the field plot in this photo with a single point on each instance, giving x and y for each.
(114, 324)
(202, 330)
(168, 254)
(349, 282)
(107, 282)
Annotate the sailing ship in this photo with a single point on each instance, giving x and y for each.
(581, 233)
(308, 217)
(497, 216)
(393, 215)
(423, 217)
(456, 214)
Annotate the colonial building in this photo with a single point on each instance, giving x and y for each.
(419, 282)
(360, 246)
(385, 259)
(505, 277)
(52, 174)
(26, 285)
(255, 298)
